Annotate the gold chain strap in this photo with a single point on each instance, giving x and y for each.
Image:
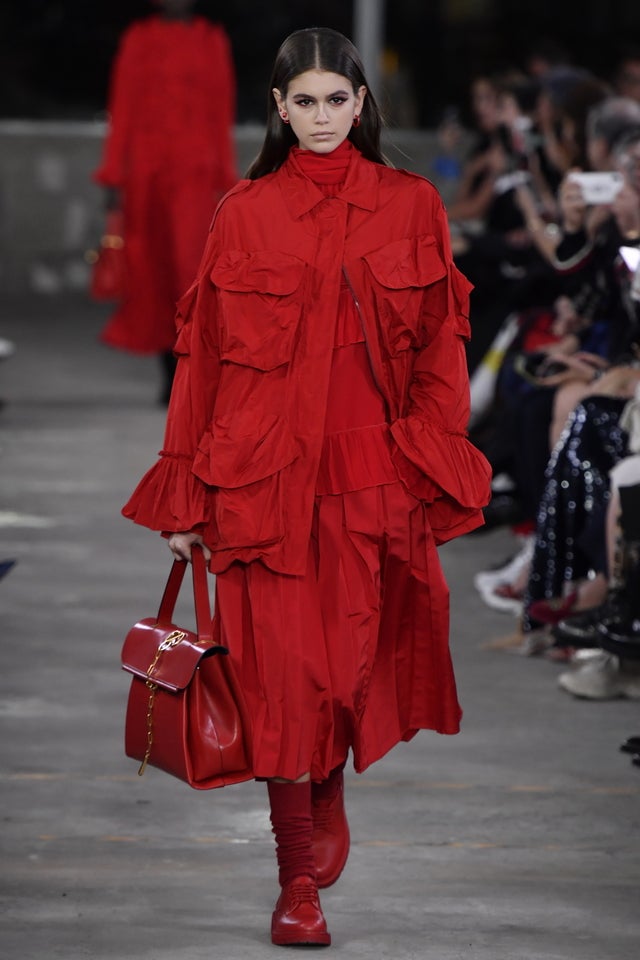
(171, 640)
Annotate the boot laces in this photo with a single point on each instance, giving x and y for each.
(300, 892)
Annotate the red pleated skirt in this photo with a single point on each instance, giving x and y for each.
(354, 655)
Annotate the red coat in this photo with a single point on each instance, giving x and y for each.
(170, 151)
(255, 341)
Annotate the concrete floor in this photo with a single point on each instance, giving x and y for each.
(517, 840)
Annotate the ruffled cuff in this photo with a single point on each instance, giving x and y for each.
(169, 497)
(107, 176)
(445, 471)
(445, 458)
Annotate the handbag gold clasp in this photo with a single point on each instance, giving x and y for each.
(171, 640)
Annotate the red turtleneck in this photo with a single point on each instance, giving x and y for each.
(356, 447)
(327, 170)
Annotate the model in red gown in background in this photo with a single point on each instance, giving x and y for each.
(168, 158)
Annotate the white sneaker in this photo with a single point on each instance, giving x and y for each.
(501, 596)
(510, 571)
(603, 678)
(7, 348)
(503, 483)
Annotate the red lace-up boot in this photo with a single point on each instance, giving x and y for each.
(330, 837)
(298, 918)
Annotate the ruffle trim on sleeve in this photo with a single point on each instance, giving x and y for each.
(169, 497)
(107, 176)
(446, 459)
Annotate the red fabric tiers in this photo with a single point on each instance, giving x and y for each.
(357, 446)
(354, 654)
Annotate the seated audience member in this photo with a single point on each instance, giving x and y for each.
(590, 253)
(541, 136)
(566, 96)
(614, 627)
(571, 565)
(607, 323)
(499, 258)
(545, 55)
(475, 189)
(626, 78)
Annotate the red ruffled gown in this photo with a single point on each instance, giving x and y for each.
(170, 151)
(355, 653)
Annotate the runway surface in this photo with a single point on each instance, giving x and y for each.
(516, 840)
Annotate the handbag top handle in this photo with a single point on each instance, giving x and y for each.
(200, 593)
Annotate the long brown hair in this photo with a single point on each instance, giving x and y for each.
(316, 48)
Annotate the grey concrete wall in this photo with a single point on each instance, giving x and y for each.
(51, 212)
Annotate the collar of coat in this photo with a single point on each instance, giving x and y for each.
(360, 187)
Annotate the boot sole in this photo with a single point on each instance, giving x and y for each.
(319, 940)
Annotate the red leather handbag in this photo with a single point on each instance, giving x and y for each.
(186, 712)
(109, 268)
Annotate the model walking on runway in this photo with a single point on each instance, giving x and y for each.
(316, 447)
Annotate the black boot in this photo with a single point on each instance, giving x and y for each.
(622, 639)
(583, 629)
(504, 509)
(630, 513)
(168, 364)
(620, 635)
(621, 608)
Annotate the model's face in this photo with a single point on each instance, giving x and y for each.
(320, 107)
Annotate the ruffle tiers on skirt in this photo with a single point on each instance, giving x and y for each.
(355, 652)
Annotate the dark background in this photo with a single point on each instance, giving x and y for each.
(55, 54)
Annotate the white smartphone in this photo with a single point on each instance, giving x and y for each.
(511, 181)
(631, 257)
(600, 186)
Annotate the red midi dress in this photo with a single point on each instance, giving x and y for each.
(170, 152)
(354, 653)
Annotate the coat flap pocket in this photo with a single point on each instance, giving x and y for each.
(185, 304)
(262, 271)
(411, 262)
(241, 447)
(184, 310)
(461, 288)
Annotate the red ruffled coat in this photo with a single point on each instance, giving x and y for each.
(256, 332)
(246, 462)
(170, 151)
